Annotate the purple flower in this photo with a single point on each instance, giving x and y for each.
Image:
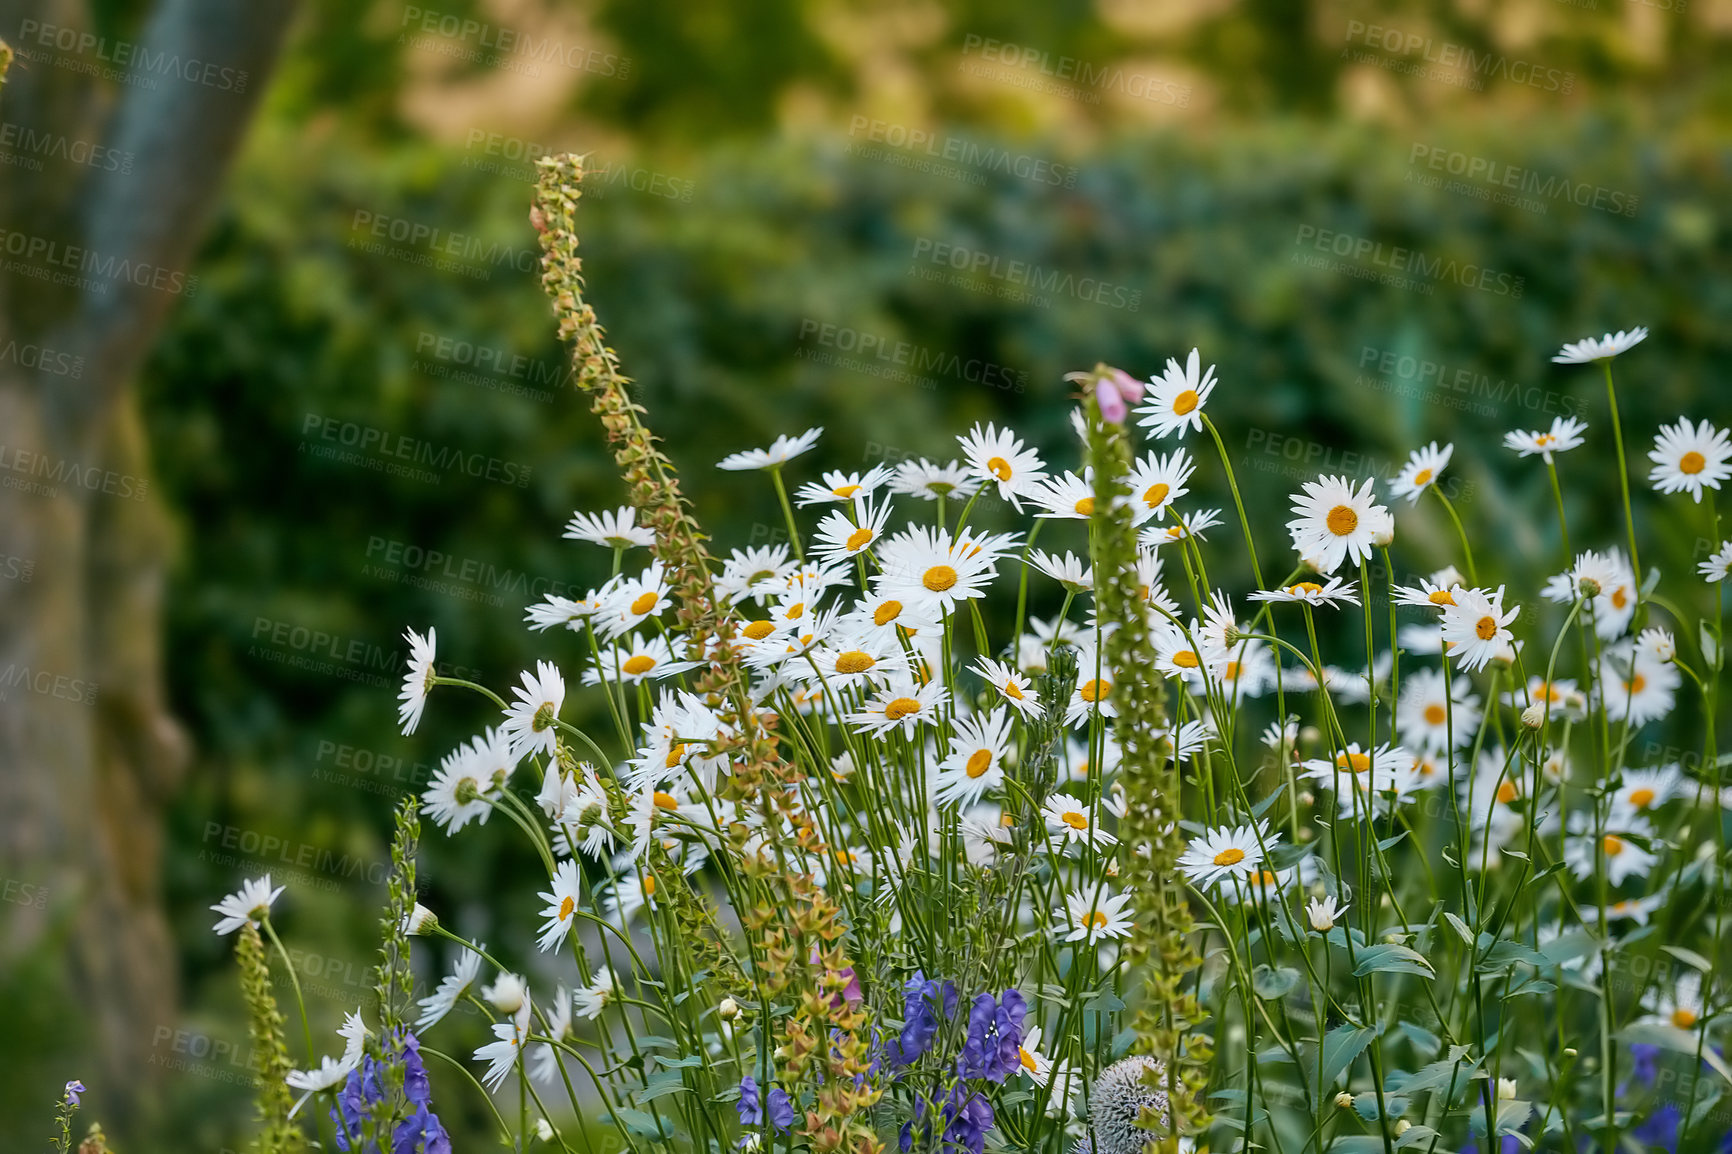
(993, 1048)
(73, 1089)
(926, 1003)
(967, 1117)
(751, 1106)
(1660, 1129)
(781, 1109)
(419, 1133)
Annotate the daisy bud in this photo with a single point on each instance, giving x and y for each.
(1344, 1100)
(1310, 735)
(506, 994)
(1402, 1126)
(1385, 534)
(544, 1129)
(1534, 716)
(1506, 1089)
(728, 1009)
(420, 920)
(1570, 1053)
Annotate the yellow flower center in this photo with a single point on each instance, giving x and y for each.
(565, 908)
(901, 707)
(1304, 587)
(796, 611)
(758, 630)
(1232, 855)
(886, 613)
(1356, 762)
(649, 886)
(1185, 402)
(978, 763)
(846, 490)
(858, 540)
(939, 578)
(1156, 493)
(1342, 520)
(1028, 1062)
(644, 603)
(639, 663)
(1692, 462)
(1423, 477)
(999, 467)
(855, 661)
(676, 755)
(1486, 628)
(1186, 659)
(1074, 819)
(1094, 689)
(1683, 1018)
(1612, 845)
(665, 800)
(1544, 440)
(1635, 684)
(1011, 690)
(1440, 597)
(1435, 714)
(1095, 921)
(1620, 597)
(1086, 506)
(1641, 798)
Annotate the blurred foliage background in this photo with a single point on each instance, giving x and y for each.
(744, 205)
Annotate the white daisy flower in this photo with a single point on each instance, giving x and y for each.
(593, 996)
(782, 450)
(562, 904)
(1090, 916)
(502, 1055)
(932, 571)
(508, 994)
(451, 989)
(1561, 696)
(1035, 1064)
(747, 571)
(1715, 568)
(529, 722)
(1070, 571)
(628, 895)
(1069, 818)
(1427, 594)
(457, 794)
(1688, 457)
(900, 705)
(839, 539)
(1564, 435)
(1069, 497)
(1078, 765)
(1093, 692)
(617, 529)
(557, 610)
(1176, 397)
(1681, 1006)
(1311, 593)
(883, 612)
(247, 906)
(841, 488)
(1334, 521)
(1423, 468)
(546, 1068)
(1016, 689)
(1643, 791)
(1184, 525)
(999, 457)
(1600, 348)
(975, 763)
(1323, 913)
(418, 682)
(331, 1073)
(630, 601)
(933, 482)
(637, 659)
(861, 658)
(1476, 627)
(1424, 710)
(1226, 852)
(1636, 686)
(583, 816)
(1624, 858)
(1156, 482)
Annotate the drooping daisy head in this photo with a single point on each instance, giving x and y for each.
(247, 906)
(418, 681)
(782, 450)
(933, 482)
(616, 529)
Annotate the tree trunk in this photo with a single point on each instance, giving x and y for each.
(89, 753)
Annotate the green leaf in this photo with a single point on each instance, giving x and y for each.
(1507, 952)
(1389, 958)
(1436, 1076)
(1390, 843)
(1423, 1040)
(637, 1121)
(1341, 1046)
(1271, 984)
(1365, 1105)
(1460, 928)
(1414, 1136)
(1689, 957)
(1568, 947)
(1105, 1002)
(660, 1086)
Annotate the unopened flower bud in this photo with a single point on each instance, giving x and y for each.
(420, 920)
(544, 1129)
(1402, 1126)
(1534, 716)
(728, 1009)
(1506, 1089)
(1344, 1100)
